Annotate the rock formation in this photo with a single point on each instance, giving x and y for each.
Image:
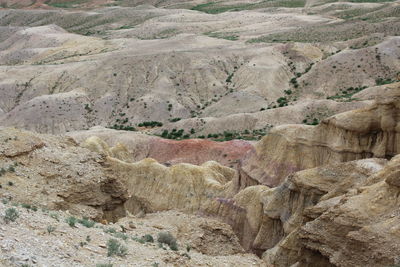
(56, 173)
(364, 133)
(339, 211)
(166, 151)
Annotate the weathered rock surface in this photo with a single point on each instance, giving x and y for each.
(165, 151)
(56, 173)
(362, 229)
(370, 132)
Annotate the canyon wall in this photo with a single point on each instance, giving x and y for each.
(364, 133)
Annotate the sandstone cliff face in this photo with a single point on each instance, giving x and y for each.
(362, 229)
(358, 134)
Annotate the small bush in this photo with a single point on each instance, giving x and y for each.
(26, 206)
(168, 239)
(104, 265)
(150, 124)
(116, 248)
(137, 239)
(86, 222)
(121, 236)
(148, 238)
(175, 119)
(110, 230)
(11, 215)
(71, 221)
(51, 229)
(11, 169)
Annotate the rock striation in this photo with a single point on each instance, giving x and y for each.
(373, 131)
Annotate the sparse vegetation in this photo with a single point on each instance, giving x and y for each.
(86, 222)
(223, 35)
(120, 236)
(11, 215)
(168, 239)
(347, 94)
(150, 124)
(309, 121)
(110, 230)
(115, 248)
(65, 4)
(10, 168)
(175, 119)
(148, 238)
(215, 7)
(382, 81)
(50, 229)
(71, 221)
(229, 79)
(29, 207)
(174, 134)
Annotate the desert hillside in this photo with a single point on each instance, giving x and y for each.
(199, 133)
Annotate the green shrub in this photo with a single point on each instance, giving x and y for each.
(11, 169)
(381, 81)
(121, 236)
(150, 124)
(71, 221)
(110, 230)
(87, 222)
(26, 206)
(51, 229)
(173, 246)
(168, 239)
(175, 119)
(148, 238)
(114, 247)
(229, 79)
(137, 239)
(104, 265)
(11, 215)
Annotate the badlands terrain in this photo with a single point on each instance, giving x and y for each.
(199, 133)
